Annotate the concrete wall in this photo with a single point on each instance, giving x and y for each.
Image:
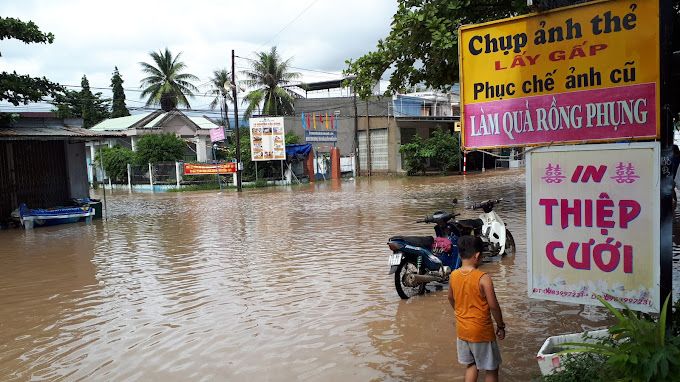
(76, 169)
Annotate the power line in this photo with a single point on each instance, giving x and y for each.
(289, 24)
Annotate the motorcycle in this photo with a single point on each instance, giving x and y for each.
(418, 260)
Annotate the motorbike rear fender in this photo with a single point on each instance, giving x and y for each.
(393, 269)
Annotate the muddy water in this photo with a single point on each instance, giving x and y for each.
(277, 284)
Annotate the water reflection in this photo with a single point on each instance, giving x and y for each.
(272, 284)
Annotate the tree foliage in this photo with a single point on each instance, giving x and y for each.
(293, 139)
(118, 108)
(220, 87)
(166, 84)
(21, 88)
(115, 161)
(268, 75)
(154, 148)
(82, 104)
(441, 150)
(422, 46)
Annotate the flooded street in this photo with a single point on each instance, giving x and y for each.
(274, 284)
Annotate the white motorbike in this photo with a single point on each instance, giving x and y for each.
(498, 240)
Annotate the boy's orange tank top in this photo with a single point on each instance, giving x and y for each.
(473, 317)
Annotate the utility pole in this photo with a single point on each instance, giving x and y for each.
(368, 141)
(356, 135)
(238, 134)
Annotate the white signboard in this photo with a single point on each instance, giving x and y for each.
(593, 224)
(267, 139)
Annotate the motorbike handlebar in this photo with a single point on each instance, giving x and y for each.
(485, 203)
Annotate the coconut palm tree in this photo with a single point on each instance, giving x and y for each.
(220, 86)
(268, 76)
(166, 85)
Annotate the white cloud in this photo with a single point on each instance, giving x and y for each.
(91, 37)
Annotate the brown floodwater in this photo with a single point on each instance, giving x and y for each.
(274, 284)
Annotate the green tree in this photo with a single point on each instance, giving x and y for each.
(22, 89)
(115, 161)
(118, 108)
(165, 84)
(83, 104)
(154, 148)
(293, 139)
(441, 150)
(248, 172)
(422, 46)
(220, 86)
(445, 150)
(416, 153)
(268, 75)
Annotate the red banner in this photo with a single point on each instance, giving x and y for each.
(206, 169)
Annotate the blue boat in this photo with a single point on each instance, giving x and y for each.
(52, 216)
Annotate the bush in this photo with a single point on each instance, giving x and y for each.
(293, 139)
(639, 349)
(154, 148)
(442, 149)
(578, 367)
(115, 161)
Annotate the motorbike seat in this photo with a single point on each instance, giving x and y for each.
(471, 223)
(416, 241)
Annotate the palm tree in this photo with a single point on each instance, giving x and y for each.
(166, 85)
(220, 84)
(268, 75)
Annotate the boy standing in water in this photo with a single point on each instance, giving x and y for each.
(473, 299)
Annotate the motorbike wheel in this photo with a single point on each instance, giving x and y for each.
(405, 291)
(510, 247)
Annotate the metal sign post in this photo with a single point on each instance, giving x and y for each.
(666, 14)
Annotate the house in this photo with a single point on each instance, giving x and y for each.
(43, 161)
(379, 125)
(194, 130)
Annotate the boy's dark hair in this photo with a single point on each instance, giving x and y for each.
(469, 245)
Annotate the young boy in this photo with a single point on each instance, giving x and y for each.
(473, 299)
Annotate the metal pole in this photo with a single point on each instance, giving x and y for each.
(151, 176)
(238, 135)
(129, 171)
(357, 168)
(178, 177)
(460, 157)
(368, 141)
(666, 217)
(282, 177)
(101, 166)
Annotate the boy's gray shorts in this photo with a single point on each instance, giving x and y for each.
(484, 354)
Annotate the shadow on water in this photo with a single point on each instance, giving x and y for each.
(273, 284)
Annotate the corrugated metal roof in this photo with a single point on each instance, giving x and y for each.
(125, 123)
(203, 122)
(154, 121)
(118, 124)
(16, 133)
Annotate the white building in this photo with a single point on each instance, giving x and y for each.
(195, 131)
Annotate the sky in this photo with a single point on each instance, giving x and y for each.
(92, 37)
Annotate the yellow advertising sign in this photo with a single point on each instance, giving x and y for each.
(583, 73)
(593, 224)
